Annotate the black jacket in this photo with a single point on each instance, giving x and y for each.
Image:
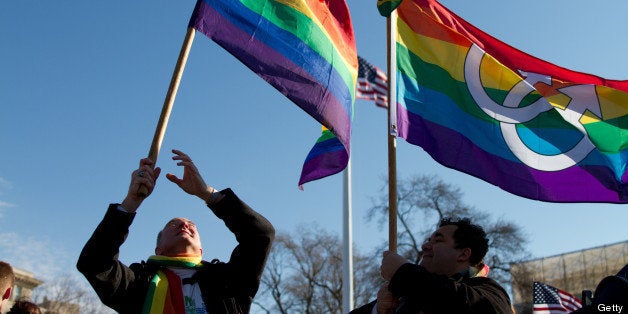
(423, 292)
(226, 287)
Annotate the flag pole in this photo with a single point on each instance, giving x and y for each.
(153, 153)
(391, 31)
(347, 253)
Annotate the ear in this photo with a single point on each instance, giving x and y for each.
(6, 294)
(157, 250)
(464, 255)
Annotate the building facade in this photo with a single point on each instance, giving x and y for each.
(572, 272)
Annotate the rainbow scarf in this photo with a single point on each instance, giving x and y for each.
(480, 270)
(165, 294)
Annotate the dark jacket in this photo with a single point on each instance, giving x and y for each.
(226, 287)
(423, 292)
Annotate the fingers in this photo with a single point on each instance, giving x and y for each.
(146, 176)
(172, 178)
(146, 162)
(179, 155)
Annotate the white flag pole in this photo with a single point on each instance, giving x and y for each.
(347, 239)
(392, 130)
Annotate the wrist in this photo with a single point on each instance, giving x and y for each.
(214, 197)
(130, 205)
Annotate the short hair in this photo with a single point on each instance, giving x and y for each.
(468, 235)
(159, 237)
(24, 307)
(7, 278)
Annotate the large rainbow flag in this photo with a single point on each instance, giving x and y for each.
(480, 106)
(304, 48)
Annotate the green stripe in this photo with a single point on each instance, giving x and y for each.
(307, 31)
(609, 136)
(438, 79)
(150, 294)
(327, 134)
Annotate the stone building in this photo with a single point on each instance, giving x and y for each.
(25, 282)
(573, 272)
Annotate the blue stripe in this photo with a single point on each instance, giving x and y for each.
(328, 146)
(440, 109)
(288, 45)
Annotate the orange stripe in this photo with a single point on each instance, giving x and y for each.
(340, 31)
(421, 19)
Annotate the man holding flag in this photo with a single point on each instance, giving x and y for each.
(450, 278)
(176, 279)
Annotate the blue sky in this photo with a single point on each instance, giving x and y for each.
(82, 87)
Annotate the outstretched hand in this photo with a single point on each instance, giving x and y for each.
(192, 181)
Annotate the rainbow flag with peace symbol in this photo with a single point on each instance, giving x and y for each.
(480, 106)
(305, 49)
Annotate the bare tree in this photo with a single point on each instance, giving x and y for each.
(304, 274)
(68, 294)
(424, 200)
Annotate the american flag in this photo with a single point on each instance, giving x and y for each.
(550, 300)
(372, 83)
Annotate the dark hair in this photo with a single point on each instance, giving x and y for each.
(24, 307)
(468, 235)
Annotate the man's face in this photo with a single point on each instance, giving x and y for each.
(439, 253)
(179, 236)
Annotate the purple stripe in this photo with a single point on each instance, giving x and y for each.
(300, 87)
(324, 165)
(453, 150)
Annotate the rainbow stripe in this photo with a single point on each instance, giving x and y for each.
(560, 136)
(327, 157)
(304, 48)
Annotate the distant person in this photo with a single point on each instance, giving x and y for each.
(450, 278)
(7, 280)
(24, 307)
(611, 295)
(175, 279)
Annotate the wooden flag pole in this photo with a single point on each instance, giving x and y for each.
(153, 153)
(391, 30)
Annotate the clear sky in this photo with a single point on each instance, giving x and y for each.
(81, 89)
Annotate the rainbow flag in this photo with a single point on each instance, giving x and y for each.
(327, 157)
(304, 48)
(480, 106)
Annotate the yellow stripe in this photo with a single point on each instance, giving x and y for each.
(451, 58)
(302, 7)
(159, 299)
(613, 103)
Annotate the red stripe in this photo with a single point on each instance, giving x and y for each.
(175, 291)
(509, 56)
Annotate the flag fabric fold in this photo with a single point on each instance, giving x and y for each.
(551, 300)
(326, 158)
(304, 48)
(480, 106)
(385, 7)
